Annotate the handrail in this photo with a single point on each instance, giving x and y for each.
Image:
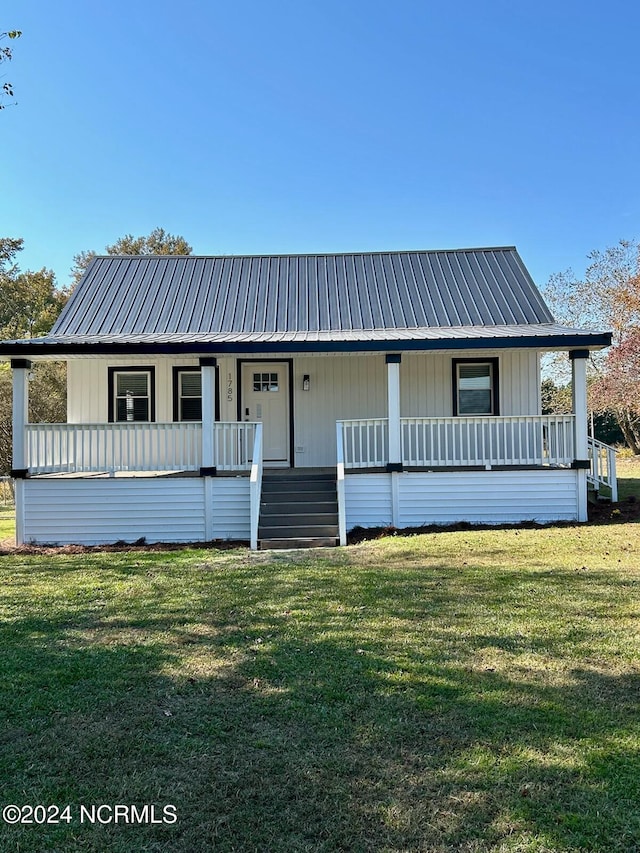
(603, 466)
(255, 485)
(342, 505)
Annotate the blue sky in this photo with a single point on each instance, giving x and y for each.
(276, 126)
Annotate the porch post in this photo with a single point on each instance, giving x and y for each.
(20, 369)
(208, 369)
(581, 451)
(393, 411)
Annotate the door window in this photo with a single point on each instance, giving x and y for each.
(265, 382)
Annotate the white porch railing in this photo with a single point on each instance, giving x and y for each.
(255, 486)
(603, 467)
(365, 442)
(85, 448)
(515, 440)
(463, 441)
(233, 443)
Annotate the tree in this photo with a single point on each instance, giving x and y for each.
(29, 305)
(555, 399)
(608, 297)
(6, 55)
(158, 242)
(618, 388)
(30, 301)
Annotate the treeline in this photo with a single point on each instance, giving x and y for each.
(608, 297)
(30, 303)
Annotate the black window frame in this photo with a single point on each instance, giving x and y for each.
(111, 384)
(495, 386)
(190, 368)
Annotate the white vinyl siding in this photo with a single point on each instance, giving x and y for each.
(446, 497)
(368, 500)
(103, 510)
(230, 507)
(106, 510)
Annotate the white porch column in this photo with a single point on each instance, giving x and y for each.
(20, 369)
(393, 411)
(579, 394)
(208, 369)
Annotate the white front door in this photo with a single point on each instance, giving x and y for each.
(265, 398)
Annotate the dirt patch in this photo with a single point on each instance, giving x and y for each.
(604, 512)
(600, 512)
(118, 547)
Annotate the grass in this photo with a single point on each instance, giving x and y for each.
(628, 471)
(7, 523)
(460, 691)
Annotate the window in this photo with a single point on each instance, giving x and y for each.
(189, 395)
(265, 382)
(475, 387)
(131, 394)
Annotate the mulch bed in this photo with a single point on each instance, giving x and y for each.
(118, 547)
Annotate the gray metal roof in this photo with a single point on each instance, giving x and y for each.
(150, 295)
(268, 300)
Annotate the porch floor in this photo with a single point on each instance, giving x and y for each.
(274, 473)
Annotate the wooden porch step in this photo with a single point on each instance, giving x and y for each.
(297, 531)
(298, 487)
(298, 510)
(317, 506)
(304, 542)
(298, 519)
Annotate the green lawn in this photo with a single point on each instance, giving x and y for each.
(628, 470)
(469, 691)
(7, 523)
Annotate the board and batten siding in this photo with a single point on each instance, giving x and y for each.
(446, 497)
(426, 386)
(88, 391)
(103, 510)
(342, 387)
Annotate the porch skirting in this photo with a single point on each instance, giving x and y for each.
(104, 510)
(412, 499)
(100, 511)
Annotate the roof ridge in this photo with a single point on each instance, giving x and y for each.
(321, 254)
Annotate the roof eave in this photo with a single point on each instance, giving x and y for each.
(584, 340)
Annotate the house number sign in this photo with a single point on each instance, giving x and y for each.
(229, 388)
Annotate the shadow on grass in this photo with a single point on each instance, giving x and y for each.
(316, 712)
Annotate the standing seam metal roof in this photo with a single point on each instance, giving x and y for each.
(283, 294)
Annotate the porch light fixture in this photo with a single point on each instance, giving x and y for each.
(306, 382)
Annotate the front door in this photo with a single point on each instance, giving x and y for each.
(265, 398)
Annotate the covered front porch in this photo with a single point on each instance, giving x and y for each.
(394, 454)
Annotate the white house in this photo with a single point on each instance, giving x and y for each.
(289, 398)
